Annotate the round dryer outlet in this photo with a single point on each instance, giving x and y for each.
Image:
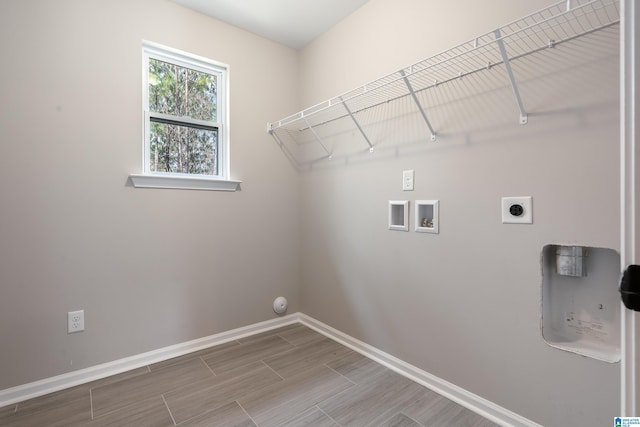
(517, 210)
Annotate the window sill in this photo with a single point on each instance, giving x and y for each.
(177, 182)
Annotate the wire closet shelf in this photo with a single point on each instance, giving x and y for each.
(558, 23)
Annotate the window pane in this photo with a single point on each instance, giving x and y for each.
(181, 91)
(183, 149)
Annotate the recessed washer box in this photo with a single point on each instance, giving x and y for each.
(580, 302)
(399, 215)
(427, 216)
(517, 210)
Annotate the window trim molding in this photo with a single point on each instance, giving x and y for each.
(184, 182)
(220, 182)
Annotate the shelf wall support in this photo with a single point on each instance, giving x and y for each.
(366, 138)
(316, 135)
(415, 99)
(512, 79)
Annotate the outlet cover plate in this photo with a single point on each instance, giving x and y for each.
(407, 180)
(75, 321)
(517, 210)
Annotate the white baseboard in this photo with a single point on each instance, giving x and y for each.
(457, 394)
(49, 385)
(473, 402)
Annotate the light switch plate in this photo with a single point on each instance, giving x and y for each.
(407, 180)
(517, 210)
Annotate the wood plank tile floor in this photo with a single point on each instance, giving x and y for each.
(288, 377)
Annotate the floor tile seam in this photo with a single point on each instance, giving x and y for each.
(412, 419)
(286, 340)
(259, 339)
(246, 413)
(399, 385)
(270, 408)
(293, 399)
(227, 381)
(238, 368)
(284, 405)
(168, 409)
(328, 416)
(279, 353)
(273, 370)
(148, 392)
(149, 371)
(186, 392)
(185, 357)
(397, 390)
(337, 395)
(209, 368)
(34, 410)
(399, 406)
(343, 376)
(151, 376)
(376, 421)
(125, 407)
(207, 365)
(304, 341)
(9, 412)
(309, 354)
(198, 386)
(91, 402)
(386, 416)
(209, 410)
(286, 350)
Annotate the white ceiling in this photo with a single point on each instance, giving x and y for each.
(293, 23)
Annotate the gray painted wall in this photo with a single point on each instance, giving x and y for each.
(465, 304)
(151, 268)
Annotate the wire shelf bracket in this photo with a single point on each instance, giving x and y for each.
(346, 107)
(317, 137)
(417, 101)
(512, 78)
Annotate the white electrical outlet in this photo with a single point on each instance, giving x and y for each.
(75, 321)
(517, 210)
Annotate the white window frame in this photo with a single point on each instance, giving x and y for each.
(149, 179)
